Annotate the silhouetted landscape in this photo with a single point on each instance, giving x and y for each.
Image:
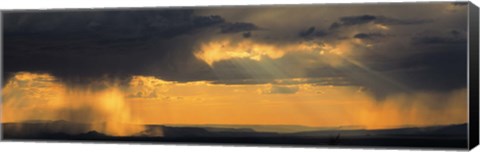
(449, 136)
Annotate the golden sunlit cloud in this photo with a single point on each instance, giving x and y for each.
(381, 26)
(227, 49)
(147, 87)
(222, 50)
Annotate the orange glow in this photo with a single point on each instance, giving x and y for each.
(309, 106)
(29, 96)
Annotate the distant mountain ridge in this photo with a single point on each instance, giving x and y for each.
(270, 128)
(434, 136)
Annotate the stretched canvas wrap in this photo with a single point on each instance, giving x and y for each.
(361, 75)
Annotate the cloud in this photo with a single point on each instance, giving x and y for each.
(431, 40)
(307, 32)
(237, 27)
(449, 37)
(459, 3)
(78, 46)
(275, 89)
(248, 62)
(364, 19)
(369, 36)
(247, 34)
(147, 87)
(311, 33)
(107, 24)
(83, 47)
(356, 20)
(436, 40)
(321, 81)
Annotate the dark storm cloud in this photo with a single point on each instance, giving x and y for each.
(393, 65)
(311, 33)
(441, 67)
(455, 33)
(355, 20)
(85, 45)
(307, 32)
(459, 3)
(426, 40)
(433, 61)
(442, 70)
(369, 36)
(114, 24)
(237, 27)
(77, 46)
(247, 34)
(364, 19)
(440, 38)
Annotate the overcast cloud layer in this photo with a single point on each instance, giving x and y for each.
(390, 47)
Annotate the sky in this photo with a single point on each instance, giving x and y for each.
(368, 65)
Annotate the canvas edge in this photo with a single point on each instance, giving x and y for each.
(473, 55)
(1, 75)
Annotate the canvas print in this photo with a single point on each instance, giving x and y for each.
(313, 75)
